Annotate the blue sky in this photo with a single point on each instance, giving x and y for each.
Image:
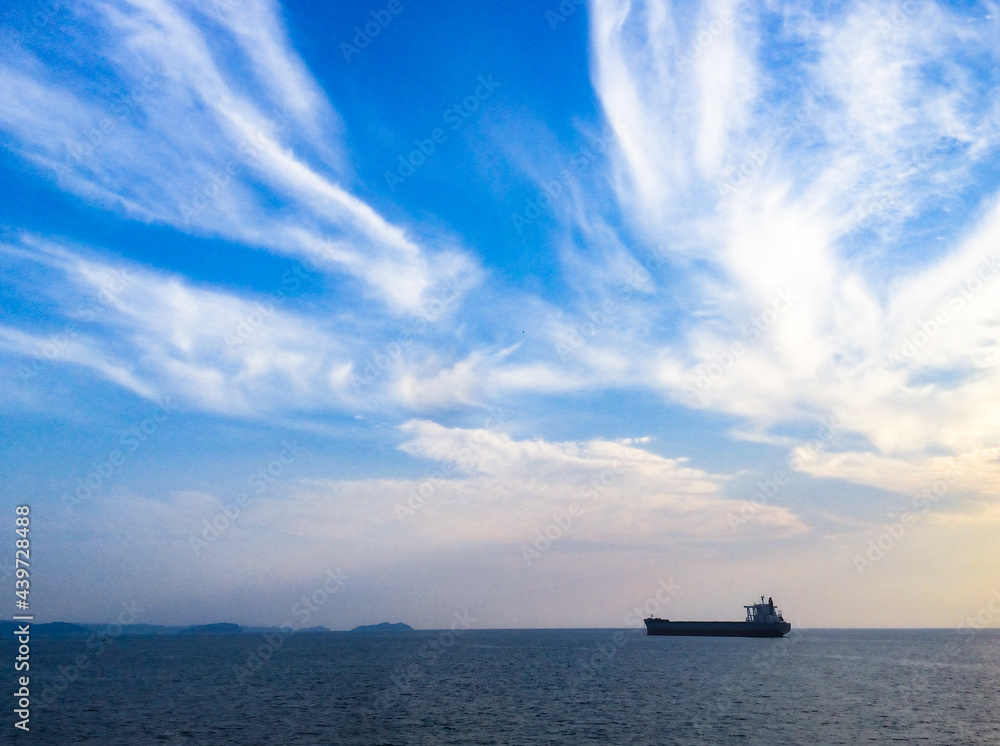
(527, 309)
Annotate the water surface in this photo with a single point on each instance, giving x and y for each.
(815, 687)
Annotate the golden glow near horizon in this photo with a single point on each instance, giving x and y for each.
(587, 306)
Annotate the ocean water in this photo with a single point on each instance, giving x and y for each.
(816, 687)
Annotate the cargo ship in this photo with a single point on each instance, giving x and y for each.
(763, 620)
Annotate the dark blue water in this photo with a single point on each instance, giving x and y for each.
(816, 687)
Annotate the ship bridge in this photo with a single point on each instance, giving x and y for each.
(764, 612)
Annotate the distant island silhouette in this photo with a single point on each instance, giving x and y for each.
(62, 630)
(57, 629)
(384, 627)
(221, 628)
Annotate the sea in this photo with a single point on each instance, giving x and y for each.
(570, 686)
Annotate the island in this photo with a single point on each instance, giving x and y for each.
(222, 628)
(384, 627)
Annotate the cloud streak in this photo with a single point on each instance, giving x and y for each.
(842, 153)
(213, 110)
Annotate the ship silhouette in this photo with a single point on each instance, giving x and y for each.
(763, 620)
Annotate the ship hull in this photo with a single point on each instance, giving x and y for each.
(662, 627)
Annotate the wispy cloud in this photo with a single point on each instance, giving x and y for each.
(492, 491)
(806, 239)
(887, 109)
(624, 494)
(159, 334)
(206, 119)
(972, 473)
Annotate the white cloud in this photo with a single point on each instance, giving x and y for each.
(197, 135)
(768, 179)
(974, 472)
(161, 335)
(756, 184)
(625, 495)
(491, 493)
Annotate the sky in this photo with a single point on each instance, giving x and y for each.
(537, 314)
